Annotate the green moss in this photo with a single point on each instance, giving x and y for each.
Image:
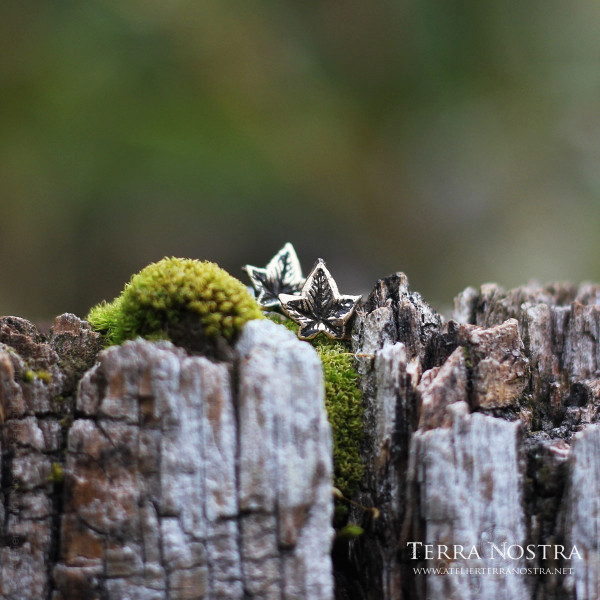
(174, 298)
(57, 473)
(66, 421)
(45, 376)
(343, 401)
(467, 355)
(349, 532)
(28, 376)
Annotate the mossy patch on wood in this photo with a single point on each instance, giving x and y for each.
(186, 301)
(343, 401)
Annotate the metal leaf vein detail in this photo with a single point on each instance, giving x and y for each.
(320, 307)
(283, 275)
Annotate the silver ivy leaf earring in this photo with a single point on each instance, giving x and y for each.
(320, 307)
(283, 275)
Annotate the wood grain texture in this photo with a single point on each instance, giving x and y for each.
(480, 430)
(183, 478)
(147, 473)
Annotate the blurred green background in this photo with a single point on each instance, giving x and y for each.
(456, 141)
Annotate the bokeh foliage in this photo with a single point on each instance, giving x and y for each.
(457, 141)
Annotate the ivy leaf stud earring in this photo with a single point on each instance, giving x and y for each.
(320, 308)
(283, 275)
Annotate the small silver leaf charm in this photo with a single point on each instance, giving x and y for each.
(320, 308)
(283, 275)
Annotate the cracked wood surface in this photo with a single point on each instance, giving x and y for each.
(143, 472)
(183, 478)
(483, 429)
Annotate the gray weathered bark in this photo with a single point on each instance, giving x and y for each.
(143, 472)
(183, 478)
(481, 430)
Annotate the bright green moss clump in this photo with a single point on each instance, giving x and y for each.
(343, 401)
(187, 301)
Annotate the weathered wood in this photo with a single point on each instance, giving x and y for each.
(37, 380)
(183, 479)
(144, 472)
(582, 508)
(470, 430)
(468, 490)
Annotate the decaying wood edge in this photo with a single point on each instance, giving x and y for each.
(171, 476)
(482, 430)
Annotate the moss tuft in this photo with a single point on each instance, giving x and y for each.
(66, 421)
(343, 401)
(349, 532)
(57, 473)
(45, 376)
(187, 301)
(28, 376)
(467, 355)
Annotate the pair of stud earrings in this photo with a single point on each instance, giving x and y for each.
(314, 303)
